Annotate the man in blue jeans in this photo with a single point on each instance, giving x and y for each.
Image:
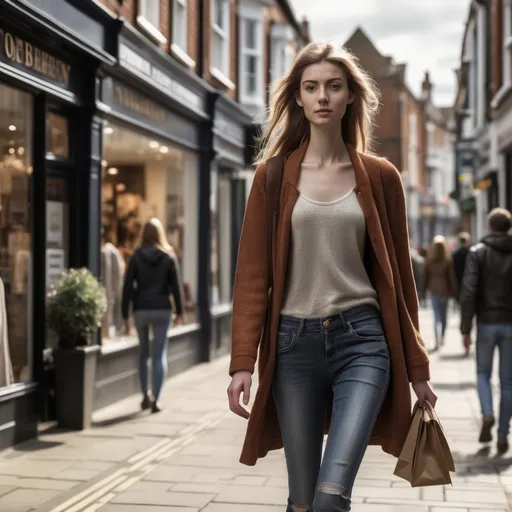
(487, 293)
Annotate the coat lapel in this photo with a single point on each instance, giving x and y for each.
(371, 214)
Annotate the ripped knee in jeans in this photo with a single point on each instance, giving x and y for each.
(331, 498)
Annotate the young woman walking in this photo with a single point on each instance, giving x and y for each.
(439, 279)
(151, 278)
(343, 340)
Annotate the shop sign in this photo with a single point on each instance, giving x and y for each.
(135, 102)
(21, 53)
(228, 129)
(135, 61)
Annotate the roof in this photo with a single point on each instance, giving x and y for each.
(290, 14)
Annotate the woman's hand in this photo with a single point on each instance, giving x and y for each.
(425, 391)
(240, 382)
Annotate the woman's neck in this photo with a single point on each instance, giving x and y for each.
(325, 147)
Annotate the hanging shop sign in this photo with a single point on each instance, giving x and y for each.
(27, 56)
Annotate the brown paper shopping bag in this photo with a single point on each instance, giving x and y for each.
(426, 458)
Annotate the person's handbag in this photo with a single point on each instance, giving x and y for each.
(426, 458)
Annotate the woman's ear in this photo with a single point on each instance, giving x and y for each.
(350, 98)
(298, 100)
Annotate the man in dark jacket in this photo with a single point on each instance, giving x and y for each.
(487, 293)
(459, 257)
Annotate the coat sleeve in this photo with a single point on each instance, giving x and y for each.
(469, 292)
(250, 292)
(416, 356)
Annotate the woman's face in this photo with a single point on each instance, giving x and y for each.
(324, 93)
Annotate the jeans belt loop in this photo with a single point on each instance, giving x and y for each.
(301, 327)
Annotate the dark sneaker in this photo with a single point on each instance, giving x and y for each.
(485, 433)
(502, 446)
(146, 402)
(154, 407)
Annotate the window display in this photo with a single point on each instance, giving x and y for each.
(220, 260)
(15, 235)
(143, 178)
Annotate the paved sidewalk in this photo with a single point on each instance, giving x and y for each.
(185, 459)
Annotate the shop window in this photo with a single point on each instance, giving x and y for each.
(57, 134)
(221, 243)
(220, 43)
(251, 64)
(57, 237)
(149, 19)
(16, 111)
(143, 178)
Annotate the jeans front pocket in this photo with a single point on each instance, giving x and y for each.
(369, 328)
(285, 341)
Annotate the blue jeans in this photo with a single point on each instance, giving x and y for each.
(440, 306)
(343, 358)
(488, 337)
(159, 320)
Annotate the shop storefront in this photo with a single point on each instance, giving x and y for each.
(503, 125)
(47, 136)
(227, 205)
(154, 123)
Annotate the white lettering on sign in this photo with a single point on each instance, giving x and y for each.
(131, 59)
(228, 128)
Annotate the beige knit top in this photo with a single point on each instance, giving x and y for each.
(326, 272)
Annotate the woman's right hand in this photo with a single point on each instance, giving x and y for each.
(240, 382)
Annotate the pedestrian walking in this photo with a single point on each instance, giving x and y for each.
(439, 280)
(343, 309)
(487, 294)
(459, 257)
(151, 278)
(418, 263)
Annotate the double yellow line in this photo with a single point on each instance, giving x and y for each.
(95, 496)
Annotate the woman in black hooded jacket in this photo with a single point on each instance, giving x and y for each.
(151, 278)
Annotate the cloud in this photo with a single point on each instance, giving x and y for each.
(425, 35)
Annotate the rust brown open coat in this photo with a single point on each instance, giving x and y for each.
(381, 197)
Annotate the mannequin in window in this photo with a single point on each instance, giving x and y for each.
(112, 272)
(6, 373)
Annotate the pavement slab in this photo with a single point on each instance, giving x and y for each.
(185, 459)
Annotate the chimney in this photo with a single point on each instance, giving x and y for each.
(426, 87)
(304, 29)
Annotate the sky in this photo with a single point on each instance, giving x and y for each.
(424, 35)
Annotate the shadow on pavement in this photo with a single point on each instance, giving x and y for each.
(481, 462)
(37, 445)
(117, 419)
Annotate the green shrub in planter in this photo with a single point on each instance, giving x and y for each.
(76, 306)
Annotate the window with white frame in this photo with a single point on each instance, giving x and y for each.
(281, 53)
(149, 18)
(220, 37)
(179, 24)
(507, 43)
(251, 63)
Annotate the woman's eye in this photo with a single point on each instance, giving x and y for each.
(336, 87)
(310, 88)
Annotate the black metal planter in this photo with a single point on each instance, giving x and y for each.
(75, 374)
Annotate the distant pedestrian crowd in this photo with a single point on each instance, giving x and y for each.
(479, 278)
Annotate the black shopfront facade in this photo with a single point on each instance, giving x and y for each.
(155, 153)
(49, 142)
(99, 131)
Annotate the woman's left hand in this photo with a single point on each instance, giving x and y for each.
(425, 391)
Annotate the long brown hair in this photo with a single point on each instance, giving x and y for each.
(153, 234)
(287, 127)
(438, 250)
